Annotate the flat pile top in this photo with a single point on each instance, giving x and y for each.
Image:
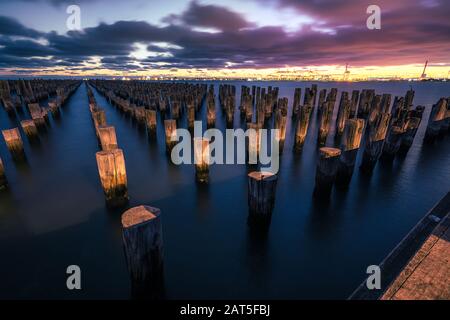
(138, 215)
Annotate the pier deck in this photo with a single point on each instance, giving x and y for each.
(418, 268)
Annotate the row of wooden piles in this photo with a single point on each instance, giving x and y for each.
(141, 226)
(110, 159)
(174, 100)
(387, 130)
(16, 94)
(365, 117)
(39, 117)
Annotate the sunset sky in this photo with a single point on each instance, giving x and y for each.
(232, 38)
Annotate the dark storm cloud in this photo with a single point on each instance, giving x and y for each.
(210, 16)
(410, 34)
(11, 27)
(56, 3)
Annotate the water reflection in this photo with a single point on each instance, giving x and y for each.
(55, 215)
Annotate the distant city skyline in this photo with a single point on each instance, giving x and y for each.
(257, 39)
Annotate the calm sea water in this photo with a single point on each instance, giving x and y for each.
(54, 214)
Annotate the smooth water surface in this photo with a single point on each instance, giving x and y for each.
(54, 214)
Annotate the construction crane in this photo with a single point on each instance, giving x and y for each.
(424, 75)
(346, 73)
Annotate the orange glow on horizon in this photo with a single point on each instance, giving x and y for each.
(326, 72)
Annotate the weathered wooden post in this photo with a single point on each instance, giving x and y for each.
(45, 115)
(326, 170)
(296, 104)
(191, 117)
(170, 127)
(374, 144)
(175, 109)
(54, 109)
(14, 143)
(139, 115)
(365, 101)
(162, 105)
(410, 130)
(393, 142)
(280, 126)
(9, 107)
(30, 129)
(409, 97)
(302, 127)
(375, 110)
(260, 114)
(150, 120)
(322, 96)
(446, 126)
(37, 115)
(386, 102)
(201, 159)
(143, 247)
(113, 176)
(253, 142)
(436, 121)
(3, 181)
(261, 194)
(343, 113)
(99, 117)
(248, 108)
(350, 143)
(308, 98)
(354, 103)
(107, 137)
(398, 108)
(230, 105)
(210, 108)
(314, 93)
(325, 122)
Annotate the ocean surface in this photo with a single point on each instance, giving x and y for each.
(54, 214)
